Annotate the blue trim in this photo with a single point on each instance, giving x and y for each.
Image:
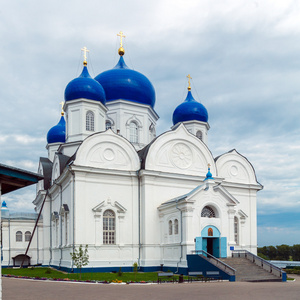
(124, 269)
(20, 175)
(223, 244)
(196, 263)
(216, 232)
(284, 277)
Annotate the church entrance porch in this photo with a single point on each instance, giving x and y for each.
(211, 242)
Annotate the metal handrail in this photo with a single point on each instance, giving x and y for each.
(226, 268)
(253, 257)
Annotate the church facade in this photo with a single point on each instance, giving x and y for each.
(131, 196)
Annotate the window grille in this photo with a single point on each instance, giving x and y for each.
(90, 121)
(133, 133)
(208, 212)
(109, 228)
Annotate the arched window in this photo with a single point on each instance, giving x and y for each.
(107, 124)
(176, 226)
(236, 230)
(170, 228)
(27, 236)
(210, 232)
(90, 121)
(109, 228)
(134, 136)
(19, 236)
(199, 134)
(208, 212)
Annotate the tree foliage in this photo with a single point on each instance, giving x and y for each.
(280, 252)
(80, 257)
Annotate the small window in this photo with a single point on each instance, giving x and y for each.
(176, 226)
(199, 134)
(208, 212)
(170, 228)
(19, 236)
(109, 227)
(90, 121)
(236, 230)
(108, 125)
(210, 232)
(27, 236)
(133, 133)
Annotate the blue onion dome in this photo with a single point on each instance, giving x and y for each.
(190, 110)
(57, 134)
(121, 82)
(4, 205)
(85, 87)
(208, 174)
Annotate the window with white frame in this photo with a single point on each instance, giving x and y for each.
(19, 236)
(107, 124)
(175, 226)
(109, 227)
(170, 227)
(199, 134)
(90, 121)
(236, 230)
(27, 236)
(134, 136)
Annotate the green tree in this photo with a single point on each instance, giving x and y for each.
(80, 257)
(135, 269)
(296, 252)
(283, 252)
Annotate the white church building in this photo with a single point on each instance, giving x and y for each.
(131, 196)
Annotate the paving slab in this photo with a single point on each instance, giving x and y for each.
(23, 289)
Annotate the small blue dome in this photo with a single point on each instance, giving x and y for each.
(190, 110)
(124, 83)
(4, 205)
(57, 134)
(86, 87)
(208, 175)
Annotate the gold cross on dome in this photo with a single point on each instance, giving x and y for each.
(208, 165)
(120, 34)
(85, 50)
(189, 77)
(62, 107)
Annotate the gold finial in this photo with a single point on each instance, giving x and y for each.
(189, 77)
(62, 107)
(208, 165)
(85, 50)
(121, 50)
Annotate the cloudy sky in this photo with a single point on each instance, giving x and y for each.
(243, 56)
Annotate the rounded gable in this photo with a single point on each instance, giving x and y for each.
(107, 150)
(179, 151)
(234, 167)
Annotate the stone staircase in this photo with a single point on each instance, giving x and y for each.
(248, 271)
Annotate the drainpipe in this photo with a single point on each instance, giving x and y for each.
(180, 236)
(60, 225)
(37, 245)
(73, 213)
(50, 259)
(139, 215)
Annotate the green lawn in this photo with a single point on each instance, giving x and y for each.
(51, 273)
